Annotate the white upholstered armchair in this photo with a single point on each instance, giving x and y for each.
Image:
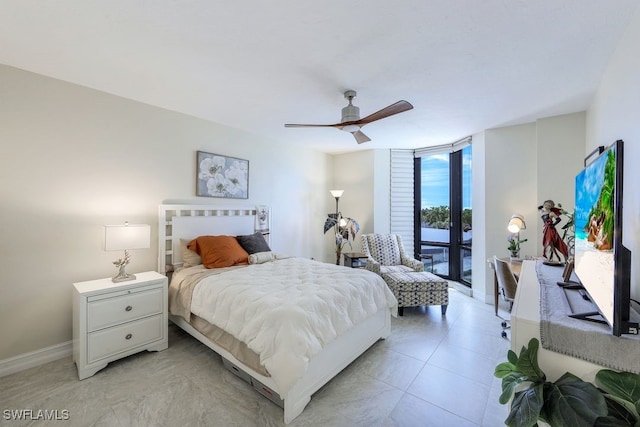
(385, 254)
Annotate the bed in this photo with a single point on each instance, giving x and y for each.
(259, 344)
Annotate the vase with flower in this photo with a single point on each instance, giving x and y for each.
(514, 245)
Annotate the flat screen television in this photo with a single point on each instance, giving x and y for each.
(602, 263)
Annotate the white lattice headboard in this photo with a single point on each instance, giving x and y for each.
(177, 222)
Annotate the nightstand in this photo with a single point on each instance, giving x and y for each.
(354, 259)
(114, 320)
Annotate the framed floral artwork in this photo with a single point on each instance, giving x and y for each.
(222, 176)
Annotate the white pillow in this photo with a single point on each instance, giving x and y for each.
(261, 257)
(189, 258)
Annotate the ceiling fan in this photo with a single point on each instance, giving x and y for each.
(351, 121)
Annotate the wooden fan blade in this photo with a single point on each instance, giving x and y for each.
(398, 107)
(289, 125)
(360, 137)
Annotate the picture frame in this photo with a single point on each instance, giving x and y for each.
(221, 176)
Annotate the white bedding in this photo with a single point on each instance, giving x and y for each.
(288, 310)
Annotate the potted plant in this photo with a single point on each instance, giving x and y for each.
(514, 245)
(569, 401)
(345, 230)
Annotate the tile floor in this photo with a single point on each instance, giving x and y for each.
(432, 371)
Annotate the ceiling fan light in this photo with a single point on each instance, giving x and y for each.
(351, 128)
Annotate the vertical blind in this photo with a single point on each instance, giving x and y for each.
(402, 207)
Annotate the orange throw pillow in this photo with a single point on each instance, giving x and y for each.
(219, 251)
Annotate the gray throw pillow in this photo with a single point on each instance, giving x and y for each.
(253, 243)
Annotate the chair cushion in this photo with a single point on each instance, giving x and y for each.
(385, 269)
(418, 288)
(415, 281)
(384, 249)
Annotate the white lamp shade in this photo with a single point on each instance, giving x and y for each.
(516, 223)
(126, 236)
(336, 193)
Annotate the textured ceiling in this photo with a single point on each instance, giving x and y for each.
(465, 65)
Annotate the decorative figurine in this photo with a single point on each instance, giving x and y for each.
(552, 243)
(121, 263)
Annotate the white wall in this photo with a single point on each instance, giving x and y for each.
(615, 114)
(365, 178)
(510, 186)
(560, 142)
(519, 167)
(74, 159)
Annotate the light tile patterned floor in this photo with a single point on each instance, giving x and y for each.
(432, 371)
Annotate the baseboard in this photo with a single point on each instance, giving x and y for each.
(461, 288)
(35, 358)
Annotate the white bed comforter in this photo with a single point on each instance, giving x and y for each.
(289, 309)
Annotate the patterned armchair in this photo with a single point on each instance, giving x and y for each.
(385, 254)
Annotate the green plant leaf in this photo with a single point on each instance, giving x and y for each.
(620, 409)
(526, 407)
(504, 369)
(509, 384)
(571, 402)
(512, 357)
(528, 362)
(329, 223)
(610, 421)
(624, 385)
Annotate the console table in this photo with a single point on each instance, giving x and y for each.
(525, 324)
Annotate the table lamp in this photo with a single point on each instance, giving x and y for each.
(516, 223)
(125, 237)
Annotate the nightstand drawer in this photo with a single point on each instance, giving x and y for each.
(128, 306)
(108, 342)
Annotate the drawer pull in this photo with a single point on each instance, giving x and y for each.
(129, 308)
(128, 337)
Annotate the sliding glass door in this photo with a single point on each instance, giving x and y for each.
(435, 212)
(443, 224)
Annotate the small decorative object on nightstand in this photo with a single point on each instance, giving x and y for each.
(354, 259)
(114, 320)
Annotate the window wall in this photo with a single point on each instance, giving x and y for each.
(443, 232)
